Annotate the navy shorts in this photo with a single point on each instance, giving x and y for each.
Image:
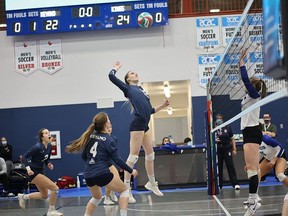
(252, 135)
(36, 172)
(100, 180)
(139, 123)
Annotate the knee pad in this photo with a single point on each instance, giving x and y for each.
(95, 201)
(133, 158)
(251, 173)
(281, 177)
(125, 193)
(150, 157)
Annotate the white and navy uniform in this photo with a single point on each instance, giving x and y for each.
(140, 101)
(252, 132)
(271, 148)
(98, 153)
(37, 157)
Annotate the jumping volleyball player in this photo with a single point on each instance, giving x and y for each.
(252, 132)
(139, 130)
(98, 149)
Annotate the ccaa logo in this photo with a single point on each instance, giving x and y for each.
(258, 55)
(206, 22)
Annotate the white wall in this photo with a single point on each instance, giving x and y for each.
(157, 54)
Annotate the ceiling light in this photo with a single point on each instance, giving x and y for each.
(167, 91)
(170, 111)
(214, 10)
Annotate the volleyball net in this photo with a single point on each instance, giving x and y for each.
(261, 33)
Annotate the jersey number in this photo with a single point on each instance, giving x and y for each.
(93, 149)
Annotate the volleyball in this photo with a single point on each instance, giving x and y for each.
(145, 20)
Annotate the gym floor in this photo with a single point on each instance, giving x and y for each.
(180, 202)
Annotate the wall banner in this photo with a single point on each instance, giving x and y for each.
(255, 30)
(26, 59)
(50, 59)
(208, 33)
(207, 64)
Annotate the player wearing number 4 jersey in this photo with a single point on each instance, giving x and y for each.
(98, 148)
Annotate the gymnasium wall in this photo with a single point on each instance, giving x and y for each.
(66, 101)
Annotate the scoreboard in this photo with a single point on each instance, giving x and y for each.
(45, 17)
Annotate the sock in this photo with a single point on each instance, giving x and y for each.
(86, 214)
(51, 207)
(253, 184)
(127, 183)
(123, 212)
(252, 197)
(26, 197)
(152, 179)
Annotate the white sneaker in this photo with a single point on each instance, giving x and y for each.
(252, 208)
(246, 202)
(113, 196)
(108, 201)
(131, 199)
(22, 201)
(154, 188)
(237, 187)
(54, 213)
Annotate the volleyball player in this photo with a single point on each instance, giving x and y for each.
(252, 133)
(36, 158)
(139, 130)
(98, 148)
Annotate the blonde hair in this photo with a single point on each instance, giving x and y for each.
(98, 124)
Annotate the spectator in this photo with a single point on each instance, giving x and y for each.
(6, 150)
(165, 140)
(226, 148)
(268, 128)
(4, 178)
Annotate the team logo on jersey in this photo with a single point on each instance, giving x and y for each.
(45, 158)
(92, 161)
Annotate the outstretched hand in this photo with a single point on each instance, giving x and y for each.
(243, 56)
(166, 102)
(117, 65)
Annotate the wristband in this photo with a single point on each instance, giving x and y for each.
(28, 168)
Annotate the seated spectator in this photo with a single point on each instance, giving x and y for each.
(165, 140)
(4, 178)
(6, 150)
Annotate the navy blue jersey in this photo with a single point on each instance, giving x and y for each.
(98, 152)
(139, 99)
(224, 135)
(37, 156)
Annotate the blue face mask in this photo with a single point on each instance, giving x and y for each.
(219, 121)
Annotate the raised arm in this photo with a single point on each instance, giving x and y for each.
(165, 103)
(112, 76)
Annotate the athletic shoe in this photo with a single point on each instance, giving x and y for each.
(252, 208)
(246, 203)
(22, 201)
(54, 213)
(113, 196)
(11, 195)
(131, 198)
(108, 201)
(237, 187)
(154, 188)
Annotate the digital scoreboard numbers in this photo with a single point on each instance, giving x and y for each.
(88, 17)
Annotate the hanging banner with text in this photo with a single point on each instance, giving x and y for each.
(207, 64)
(26, 61)
(208, 33)
(229, 24)
(50, 60)
(255, 30)
(256, 66)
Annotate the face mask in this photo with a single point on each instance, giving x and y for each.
(4, 142)
(219, 121)
(266, 121)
